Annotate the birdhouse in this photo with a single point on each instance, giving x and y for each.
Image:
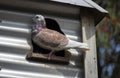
(21, 57)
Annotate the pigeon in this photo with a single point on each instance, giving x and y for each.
(51, 39)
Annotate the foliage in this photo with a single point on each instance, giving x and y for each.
(108, 41)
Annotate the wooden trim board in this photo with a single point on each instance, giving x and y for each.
(88, 34)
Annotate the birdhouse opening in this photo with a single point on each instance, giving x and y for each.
(40, 53)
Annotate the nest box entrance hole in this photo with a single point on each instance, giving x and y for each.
(38, 52)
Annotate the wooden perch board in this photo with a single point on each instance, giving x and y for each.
(44, 57)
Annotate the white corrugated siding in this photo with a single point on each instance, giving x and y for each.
(15, 43)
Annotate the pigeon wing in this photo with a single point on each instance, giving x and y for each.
(51, 38)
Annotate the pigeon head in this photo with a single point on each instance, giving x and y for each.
(40, 23)
(39, 20)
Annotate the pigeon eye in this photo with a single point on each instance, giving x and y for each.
(36, 17)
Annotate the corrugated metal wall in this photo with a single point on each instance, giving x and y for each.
(15, 43)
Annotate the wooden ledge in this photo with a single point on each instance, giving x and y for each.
(33, 56)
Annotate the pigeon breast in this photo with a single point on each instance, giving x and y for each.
(50, 39)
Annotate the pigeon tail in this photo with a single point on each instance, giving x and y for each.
(75, 44)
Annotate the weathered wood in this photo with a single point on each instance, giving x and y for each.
(54, 58)
(88, 31)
